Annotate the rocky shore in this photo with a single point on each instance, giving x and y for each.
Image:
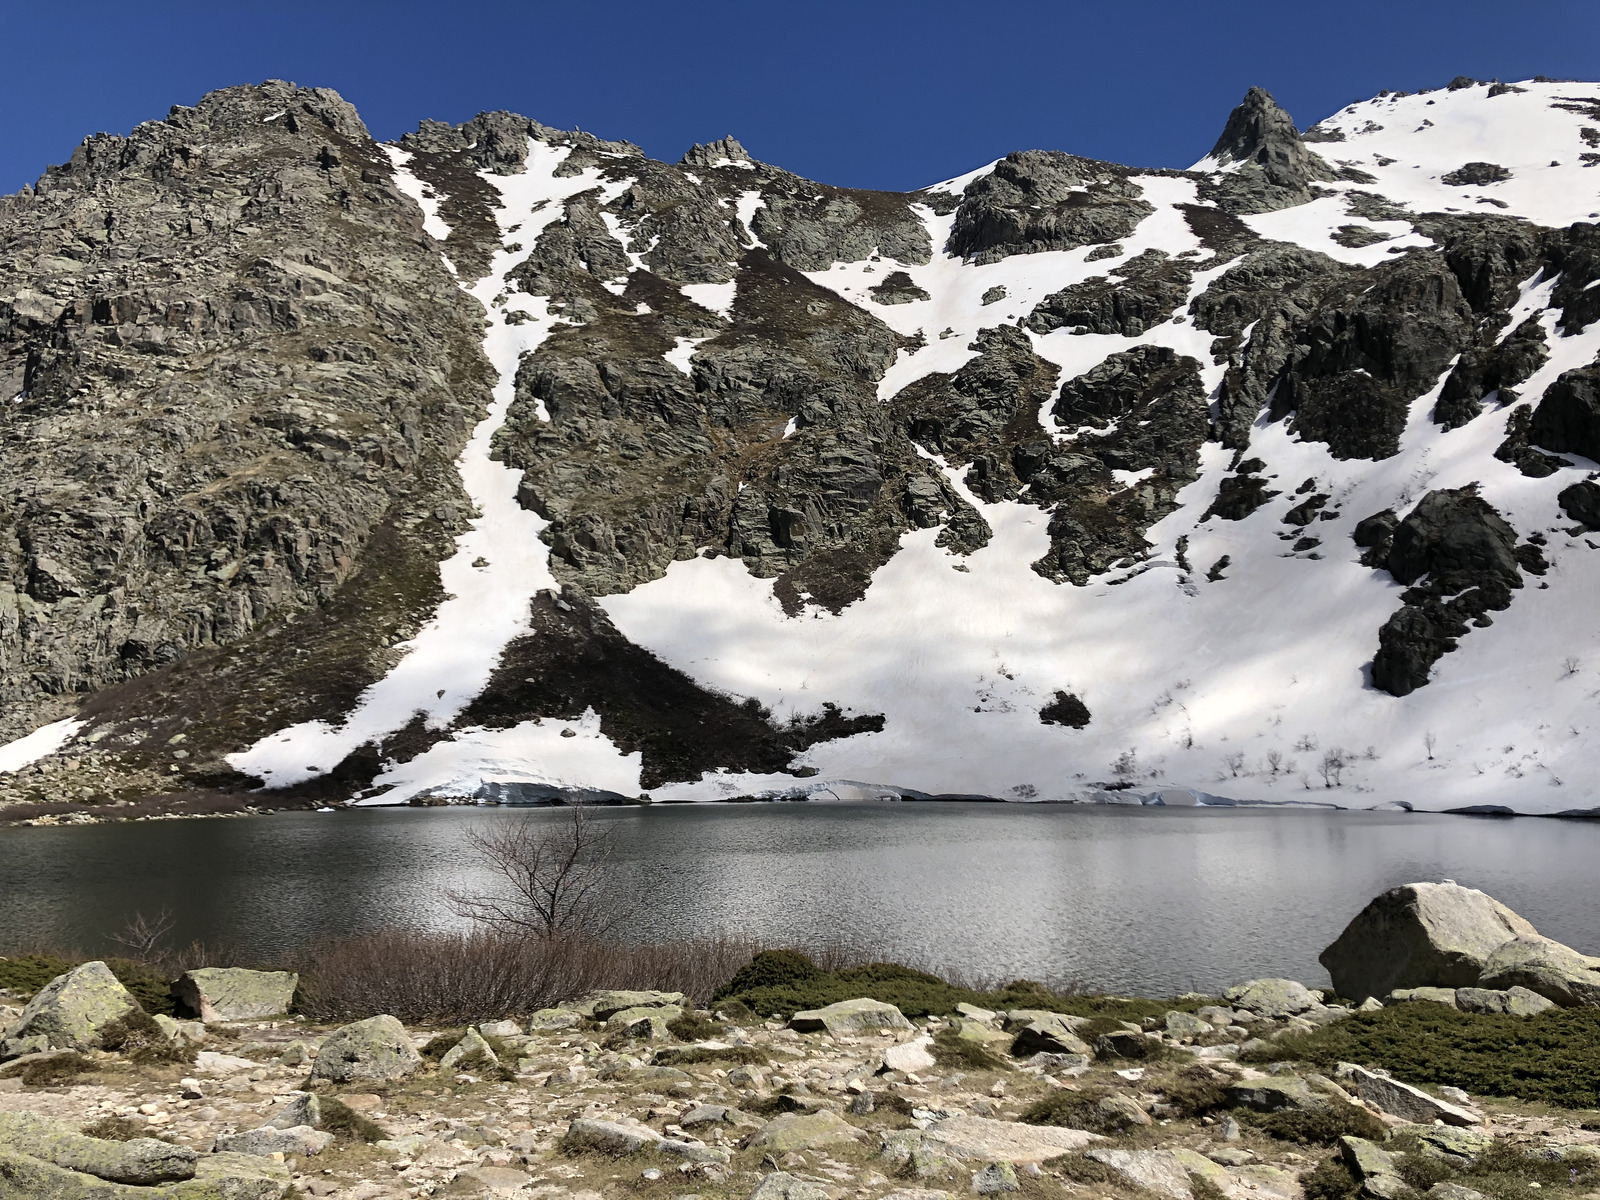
(644, 1094)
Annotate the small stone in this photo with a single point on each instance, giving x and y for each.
(996, 1178)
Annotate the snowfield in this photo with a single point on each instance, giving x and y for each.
(1252, 686)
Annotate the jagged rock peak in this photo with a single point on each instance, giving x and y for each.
(498, 141)
(1259, 131)
(715, 153)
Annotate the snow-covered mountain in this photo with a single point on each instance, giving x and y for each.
(1273, 479)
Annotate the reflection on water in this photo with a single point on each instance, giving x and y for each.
(1148, 900)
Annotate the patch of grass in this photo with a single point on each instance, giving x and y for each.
(950, 1049)
(695, 1027)
(115, 1129)
(344, 1122)
(1318, 1126)
(138, 1038)
(675, 1056)
(1330, 1179)
(1553, 1057)
(1202, 1188)
(49, 1072)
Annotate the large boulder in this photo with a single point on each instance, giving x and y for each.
(139, 1161)
(72, 1009)
(1401, 1099)
(1420, 935)
(850, 1017)
(235, 994)
(1554, 971)
(374, 1049)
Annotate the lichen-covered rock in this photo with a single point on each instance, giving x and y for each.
(643, 1022)
(139, 1160)
(1401, 1099)
(234, 993)
(216, 1177)
(1420, 935)
(1164, 1172)
(850, 1017)
(1516, 1000)
(269, 1140)
(1272, 997)
(987, 1140)
(803, 1131)
(377, 1048)
(471, 1047)
(72, 1009)
(1556, 972)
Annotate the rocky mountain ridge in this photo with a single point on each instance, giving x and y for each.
(1229, 468)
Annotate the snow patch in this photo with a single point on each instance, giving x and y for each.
(42, 742)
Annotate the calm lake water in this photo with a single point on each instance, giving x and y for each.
(1147, 900)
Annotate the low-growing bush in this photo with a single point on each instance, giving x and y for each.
(1202, 1187)
(1081, 1110)
(681, 1056)
(1322, 1126)
(138, 1038)
(1502, 1171)
(344, 1122)
(25, 974)
(1196, 1091)
(695, 1027)
(115, 1129)
(1330, 1179)
(48, 1072)
(1553, 1057)
(950, 1049)
(1075, 1168)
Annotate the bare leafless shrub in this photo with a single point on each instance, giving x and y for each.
(142, 937)
(553, 878)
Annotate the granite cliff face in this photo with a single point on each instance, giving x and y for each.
(506, 456)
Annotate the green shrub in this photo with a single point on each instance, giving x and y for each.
(1202, 1188)
(770, 969)
(1075, 1168)
(1330, 1179)
(1553, 1057)
(150, 987)
(950, 1049)
(1079, 1110)
(1502, 1171)
(1318, 1126)
(344, 1122)
(1196, 1091)
(138, 1038)
(48, 1072)
(695, 1027)
(441, 1044)
(27, 973)
(689, 1055)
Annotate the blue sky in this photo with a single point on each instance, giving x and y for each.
(860, 93)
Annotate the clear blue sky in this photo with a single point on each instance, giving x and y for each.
(868, 93)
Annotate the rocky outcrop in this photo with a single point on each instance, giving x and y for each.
(235, 358)
(1468, 563)
(1568, 417)
(1420, 935)
(1040, 200)
(1141, 293)
(1274, 169)
(136, 1161)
